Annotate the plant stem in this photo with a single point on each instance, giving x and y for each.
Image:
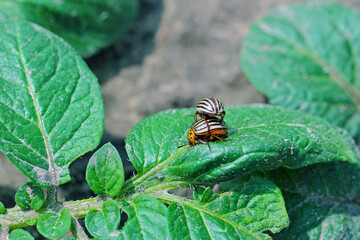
(77, 230)
(4, 233)
(51, 198)
(18, 218)
(160, 187)
(131, 184)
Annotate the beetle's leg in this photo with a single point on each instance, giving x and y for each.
(222, 116)
(207, 124)
(190, 147)
(195, 117)
(220, 138)
(203, 142)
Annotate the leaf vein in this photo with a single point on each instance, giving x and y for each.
(51, 160)
(336, 76)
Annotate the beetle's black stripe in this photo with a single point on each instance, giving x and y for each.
(210, 106)
(201, 127)
(214, 103)
(206, 106)
(218, 106)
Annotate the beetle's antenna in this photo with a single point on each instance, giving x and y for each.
(182, 146)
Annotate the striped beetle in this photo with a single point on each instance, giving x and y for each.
(209, 130)
(209, 107)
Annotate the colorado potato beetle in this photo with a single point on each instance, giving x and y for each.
(204, 131)
(209, 107)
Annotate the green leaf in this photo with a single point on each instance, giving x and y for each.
(51, 109)
(146, 219)
(198, 192)
(305, 56)
(246, 211)
(52, 226)
(104, 224)
(322, 201)
(105, 172)
(19, 234)
(2, 208)
(260, 138)
(29, 196)
(31, 222)
(86, 25)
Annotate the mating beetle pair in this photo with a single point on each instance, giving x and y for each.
(209, 127)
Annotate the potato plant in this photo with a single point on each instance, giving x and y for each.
(283, 173)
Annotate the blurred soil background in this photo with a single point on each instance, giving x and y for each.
(176, 53)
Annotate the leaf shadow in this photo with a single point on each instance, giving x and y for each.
(232, 131)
